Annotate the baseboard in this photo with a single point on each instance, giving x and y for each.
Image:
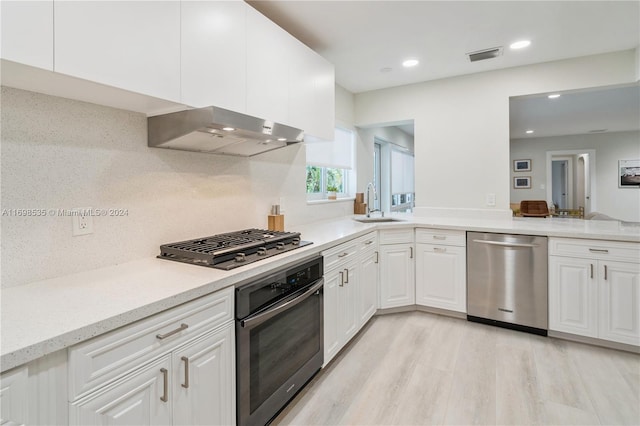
(420, 308)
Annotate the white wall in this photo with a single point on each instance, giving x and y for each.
(462, 126)
(345, 106)
(621, 203)
(63, 154)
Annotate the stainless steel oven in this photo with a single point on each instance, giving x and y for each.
(279, 339)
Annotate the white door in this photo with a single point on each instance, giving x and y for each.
(132, 45)
(14, 407)
(619, 302)
(397, 286)
(441, 277)
(368, 285)
(348, 303)
(204, 381)
(142, 399)
(332, 281)
(573, 288)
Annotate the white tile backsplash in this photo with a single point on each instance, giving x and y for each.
(63, 154)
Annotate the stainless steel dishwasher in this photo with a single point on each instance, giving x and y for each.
(507, 281)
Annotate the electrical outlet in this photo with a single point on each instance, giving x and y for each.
(82, 221)
(491, 199)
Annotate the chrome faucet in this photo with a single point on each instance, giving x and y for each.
(375, 197)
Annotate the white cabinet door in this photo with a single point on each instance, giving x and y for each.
(311, 92)
(368, 287)
(332, 282)
(27, 32)
(268, 58)
(213, 52)
(397, 284)
(441, 277)
(348, 303)
(204, 381)
(619, 297)
(132, 45)
(141, 399)
(573, 291)
(14, 406)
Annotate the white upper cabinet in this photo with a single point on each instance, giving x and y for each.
(132, 45)
(213, 54)
(27, 32)
(269, 56)
(311, 93)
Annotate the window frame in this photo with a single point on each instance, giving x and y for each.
(323, 194)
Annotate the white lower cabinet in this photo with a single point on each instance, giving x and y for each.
(441, 277)
(441, 269)
(139, 399)
(35, 393)
(350, 281)
(594, 289)
(176, 367)
(368, 298)
(397, 274)
(14, 396)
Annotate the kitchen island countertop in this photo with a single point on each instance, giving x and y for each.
(50, 315)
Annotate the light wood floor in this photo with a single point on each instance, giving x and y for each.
(418, 368)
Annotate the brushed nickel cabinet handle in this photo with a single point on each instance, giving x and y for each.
(343, 254)
(165, 396)
(186, 372)
(591, 267)
(592, 250)
(368, 242)
(377, 257)
(341, 279)
(440, 250)
(346, 273)
(605, 272)
(183, 326)
(439, 237)
(410, 252)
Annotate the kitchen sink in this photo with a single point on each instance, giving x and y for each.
(376, 219)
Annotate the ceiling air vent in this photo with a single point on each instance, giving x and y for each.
(481, 55)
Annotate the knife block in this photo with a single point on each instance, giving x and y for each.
(275, 222)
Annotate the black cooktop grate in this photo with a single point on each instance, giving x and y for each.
(216, 249)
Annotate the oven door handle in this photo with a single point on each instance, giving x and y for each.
(264, 316)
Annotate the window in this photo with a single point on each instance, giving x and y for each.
(321, 180)
(329, 164)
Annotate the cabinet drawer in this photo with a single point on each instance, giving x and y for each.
(444, 237)
(336, 256)
(367, 242)
(595, 249)
(104, 358)
(396, 236)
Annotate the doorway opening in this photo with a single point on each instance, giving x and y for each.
(571, 180)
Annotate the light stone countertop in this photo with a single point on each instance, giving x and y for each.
(46, 316)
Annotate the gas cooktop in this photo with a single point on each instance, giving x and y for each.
(233, 249)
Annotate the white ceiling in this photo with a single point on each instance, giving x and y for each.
(362, 37)
(614, 109)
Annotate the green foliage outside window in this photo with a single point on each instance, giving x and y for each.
(324, 179)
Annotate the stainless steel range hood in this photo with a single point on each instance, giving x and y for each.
(219, 131)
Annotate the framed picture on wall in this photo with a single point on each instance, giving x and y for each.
(521, 165)
(522, 182)
(629, 173)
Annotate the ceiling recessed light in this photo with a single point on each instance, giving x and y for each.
(529, 132)
(520, 44)
(554, 96)
(282, 139)
(410, 63)
(228, 129)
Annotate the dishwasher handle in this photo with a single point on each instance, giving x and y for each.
(505, 244)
